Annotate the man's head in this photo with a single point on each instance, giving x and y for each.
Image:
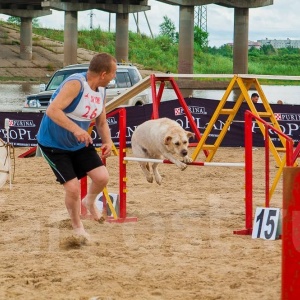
(103, 65)
(254, 97)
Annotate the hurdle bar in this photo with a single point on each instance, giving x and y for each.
(195, 163)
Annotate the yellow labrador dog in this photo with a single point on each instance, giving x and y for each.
(158, 139)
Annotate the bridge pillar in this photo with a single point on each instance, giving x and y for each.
(26, 38)
(186, 40)
(122, 37)
(240, 44)
(70, 37)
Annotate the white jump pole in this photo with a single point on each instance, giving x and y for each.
(196, 163)
(6, 126)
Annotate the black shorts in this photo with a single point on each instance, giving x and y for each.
(68, 165)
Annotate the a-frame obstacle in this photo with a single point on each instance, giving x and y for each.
(244, 82)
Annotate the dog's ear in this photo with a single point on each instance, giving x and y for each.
(168, 139)
(190, 134)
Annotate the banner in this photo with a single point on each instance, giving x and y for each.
(24, 126)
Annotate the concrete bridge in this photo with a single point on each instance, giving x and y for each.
(29, 9)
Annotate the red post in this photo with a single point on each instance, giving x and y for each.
(248, 173)
(83, 192)
(155, 98)
(122, 163)
(248, 177)
(290, 272)
(267, 168)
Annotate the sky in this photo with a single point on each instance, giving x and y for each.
(278, 21)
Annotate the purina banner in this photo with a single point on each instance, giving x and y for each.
(24, 126)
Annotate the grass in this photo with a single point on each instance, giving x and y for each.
(161, 54)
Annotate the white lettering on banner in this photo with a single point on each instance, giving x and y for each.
(25, 133)
(21, 134)
(287, 128)
(111, 121)
(3, 131)
(185, 124)
(129, 132)
(22, 123)
(197, 110)
(292, 127)
(287, 117)
(219, 125)
(94, 135)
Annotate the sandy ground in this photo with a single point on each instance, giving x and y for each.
(181, 247)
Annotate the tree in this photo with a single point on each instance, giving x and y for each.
(17, 21)
(167, 28)
(14, 20)
(267, 50)
(226, 50)
(200, 37)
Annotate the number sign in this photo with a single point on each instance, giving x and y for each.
(266, 223)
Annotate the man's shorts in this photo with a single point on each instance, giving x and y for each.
(68, 165)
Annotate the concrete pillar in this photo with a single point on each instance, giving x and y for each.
(122, 37)
(240, 42)
(70, 38)
(26, 38)
(186, 40)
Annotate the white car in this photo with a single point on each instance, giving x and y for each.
(127, 75)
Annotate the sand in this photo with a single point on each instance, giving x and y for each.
(181, 247)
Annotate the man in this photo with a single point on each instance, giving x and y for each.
(65, 142)
(254, 97)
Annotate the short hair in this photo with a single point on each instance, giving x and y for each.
(254, 95)
(101, 62)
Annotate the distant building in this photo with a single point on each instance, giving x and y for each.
(277, 44)
(251, 44)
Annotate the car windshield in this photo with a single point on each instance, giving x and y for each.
(59, 77)
(124, 78)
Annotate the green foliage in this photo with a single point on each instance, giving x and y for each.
(161, 54)
(226, 51)
(17, 21)
(200, 37)
(167, 28)
(206, 63)
(164, 42)
(267, 49)
(14, 20)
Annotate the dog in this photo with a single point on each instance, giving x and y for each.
(158, 139)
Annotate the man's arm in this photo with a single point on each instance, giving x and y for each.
(104, 132)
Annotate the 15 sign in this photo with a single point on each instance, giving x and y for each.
(266, 222)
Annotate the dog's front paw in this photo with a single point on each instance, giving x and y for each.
(150, 178)
(182, 166)
(187, 159)
(158, 179)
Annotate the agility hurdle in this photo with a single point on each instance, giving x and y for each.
(122, 218)
(288, 161)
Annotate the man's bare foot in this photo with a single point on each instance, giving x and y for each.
(82, 233)
(92, 208)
